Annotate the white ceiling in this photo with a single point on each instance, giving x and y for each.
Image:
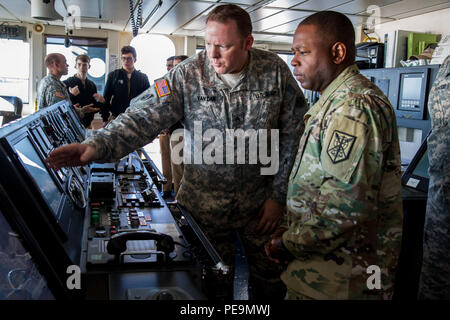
(273, 20)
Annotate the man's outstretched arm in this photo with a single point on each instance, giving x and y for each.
(71, 155)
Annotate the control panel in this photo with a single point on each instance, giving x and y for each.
(125, 206)
(107, 218)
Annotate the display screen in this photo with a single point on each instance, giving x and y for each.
(411, 88)
(19, 276)
(421, 170)
(36, 168)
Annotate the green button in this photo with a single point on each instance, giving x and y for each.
(95, 219)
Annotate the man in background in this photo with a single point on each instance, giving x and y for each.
(122, 85)
(435, 275)
(83, 91)
(52, 90)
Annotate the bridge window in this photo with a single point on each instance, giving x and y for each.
(14, 68)
(152, 53)
(93, 47)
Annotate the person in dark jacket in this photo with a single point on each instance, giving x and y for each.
(83, 91)
(123, 85)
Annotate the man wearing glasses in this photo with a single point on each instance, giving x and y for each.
(123, 85)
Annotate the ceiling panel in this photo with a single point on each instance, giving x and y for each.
(5, 15)
(197, 24)
(187, 17)
(179, 15)
(247, 2)
(320, 5)
(422, 11)
(278, 19)
(19, 9)
(167, 4)
(285, 28)
(262, 13)
(353, 7)
(361, 6)
(405, 6)
(286, 3)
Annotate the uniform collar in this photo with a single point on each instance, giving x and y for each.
(57, 80)
(346, 74)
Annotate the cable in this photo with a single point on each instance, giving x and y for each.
(139, 15)
(136, 24)
(133, 22)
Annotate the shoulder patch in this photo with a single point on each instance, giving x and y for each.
(340, 146)
(59, 94)
(162, 87)
(344, 144)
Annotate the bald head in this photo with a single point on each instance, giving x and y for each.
(53, 57)
(56, 64)
(333, 27)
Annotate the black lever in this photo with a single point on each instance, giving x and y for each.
(154, 167)
(118, 242)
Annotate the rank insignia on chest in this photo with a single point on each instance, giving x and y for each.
(340, 146)
(162, 87)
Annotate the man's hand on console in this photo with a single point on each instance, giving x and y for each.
(71, 155)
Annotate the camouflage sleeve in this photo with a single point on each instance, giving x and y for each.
(293, 108)
(347, 199)
(53, 95)
(146, 116)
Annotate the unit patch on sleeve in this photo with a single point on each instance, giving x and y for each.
(162, 87)
(340, 146)
(59, 95)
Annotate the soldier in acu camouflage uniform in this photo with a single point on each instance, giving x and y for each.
(344, 196)
(228, 86)
(435, 276)
(51, 89)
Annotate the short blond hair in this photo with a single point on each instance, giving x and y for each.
(232, 12)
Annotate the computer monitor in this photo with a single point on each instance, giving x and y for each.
(416, 175)
(412, 92)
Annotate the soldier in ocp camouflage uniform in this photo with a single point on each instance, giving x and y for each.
(223, 198)
(435, 276)
(51, 89)
(344, 196)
